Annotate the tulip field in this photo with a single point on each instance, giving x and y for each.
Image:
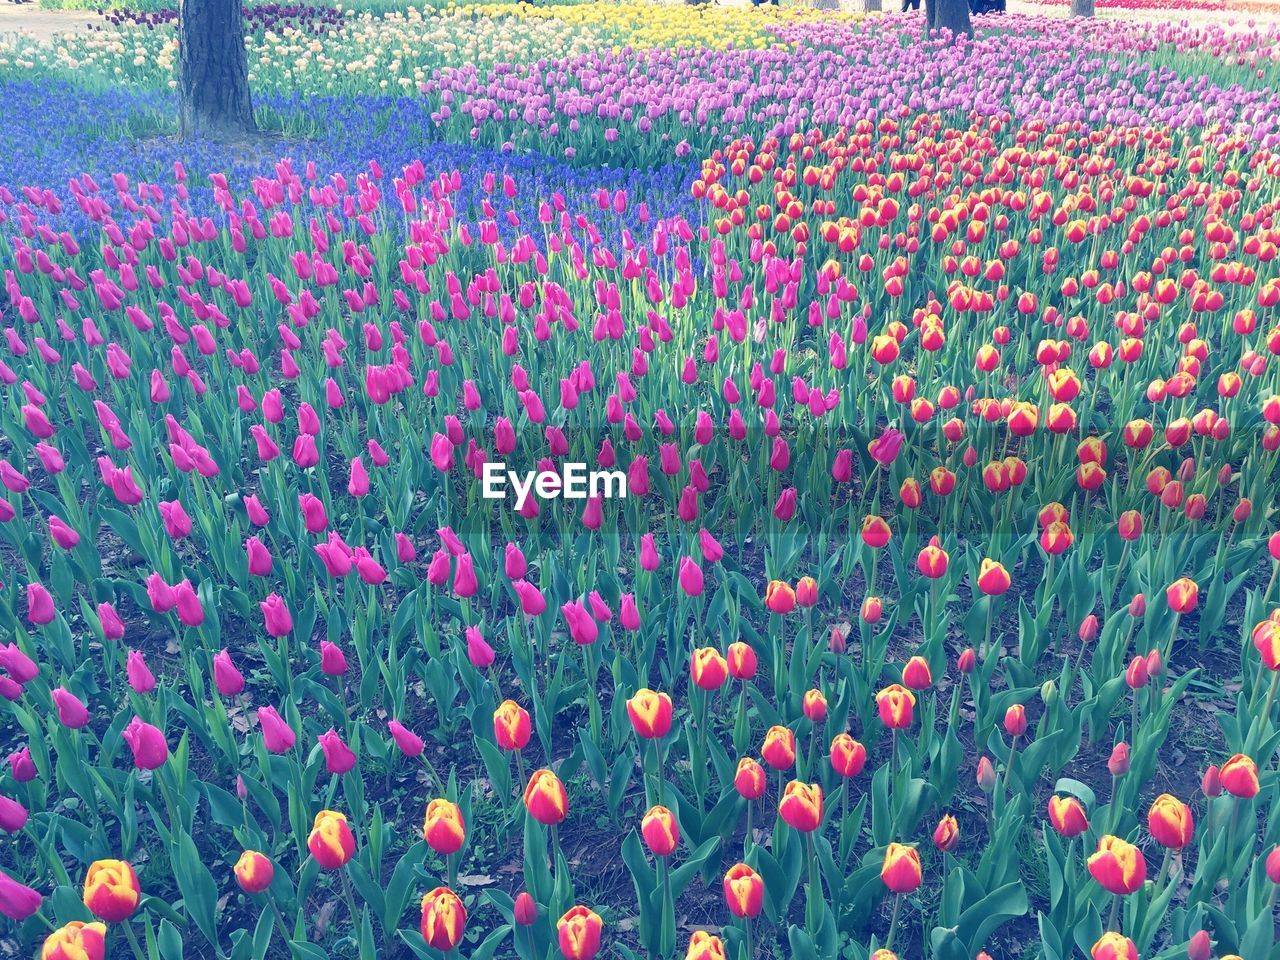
(920, 600)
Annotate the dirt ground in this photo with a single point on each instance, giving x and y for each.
(32, 20)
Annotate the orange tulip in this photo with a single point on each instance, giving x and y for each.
(779, 749)
(1239, 777)
(749, 781)
(932, 561)
(660, 831)
(443, 827)
(814, 706)
(1118, 866)
(708, 669)
(254, 872)
(901, 869)
(1056, 538)
(743, 891)
(331, 842)
(875, 532)
(1114, 946)
(76, 941)
(1067, 816)
(579, 933)
(1015, 720)
(705, 946)
(111, 890)
(650, 714)
(801, 806)
(511, 726)
(848, 756)
(946, 834)
(993, 578)
(1170, 822)
(1182, 595)
(742, 661)
(779, 597)
(897, 705)
(545, 798)
(916, 674)
(1266, 640)
(807, 591)
(444, 919)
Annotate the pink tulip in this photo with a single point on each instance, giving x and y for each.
(532, 602)
(141, 680)
(313, 514)
(478, 650)
(259, 557)
(176, 522)
(190, 609)
(228, 680)
(409, 743)
(13, 815)
(514, 565)
(464, 577)
(333, 662)
(22, 766)
(17, 664)
(160, 594)
(71, 712)
(337, 755)
(39, 605)
(277, 736)
(691, 580)
(17, 901)
(276, 617)
(147, 743)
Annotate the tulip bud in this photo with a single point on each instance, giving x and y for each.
(801, 806)
(967, 661)
(806, 592)
(526, 911)
(1199, 946)
(837, 643)
(1049, 693)
(1240, 777)
(986, 775)
(749, 780)
(1211, 782)
(254, 872)
(1088, 631)
(1015, 720)
(1273, 865)
(815, 706)
(947, 834)
(1137, 606)
(1118, 763)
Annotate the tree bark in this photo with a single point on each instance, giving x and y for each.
(952, 15)
(1082, 8)
(871, 6)
(213, 70)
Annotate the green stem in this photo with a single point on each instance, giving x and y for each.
(893, 921)
(132, 937)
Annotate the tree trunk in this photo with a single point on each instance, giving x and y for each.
(952, 15)
(871, 6)
(213, 70)
(1082, 8)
